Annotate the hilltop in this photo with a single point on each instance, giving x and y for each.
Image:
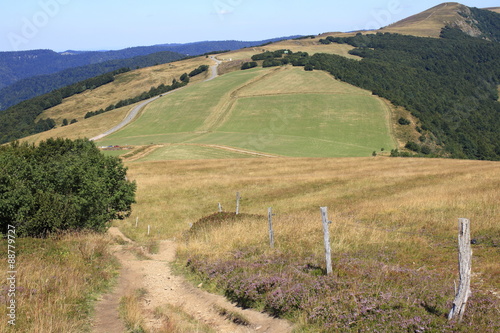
(429, 23)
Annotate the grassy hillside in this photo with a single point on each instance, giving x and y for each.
(284, 111)
(428, 23)
(393, 236)
(125, 86)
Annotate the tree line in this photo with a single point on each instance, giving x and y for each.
(20, 120)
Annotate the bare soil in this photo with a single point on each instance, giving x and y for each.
(163, 287)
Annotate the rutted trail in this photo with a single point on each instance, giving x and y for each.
(163, 287)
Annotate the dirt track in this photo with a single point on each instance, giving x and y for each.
(155, 276)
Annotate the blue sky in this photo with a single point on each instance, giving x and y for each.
(115, 24)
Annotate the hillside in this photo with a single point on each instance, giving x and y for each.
(311, 115)
(393, 236)
(16, 66)
(25, 89)
(430, 22)
(135, 82)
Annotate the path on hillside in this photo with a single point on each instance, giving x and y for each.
(155, 276)
(136, 109)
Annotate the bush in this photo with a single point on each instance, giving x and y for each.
(412, 146)
(403, 121)
(61, 185)
(248, 65)
(200, 69)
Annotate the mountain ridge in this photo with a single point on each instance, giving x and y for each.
(430, 22)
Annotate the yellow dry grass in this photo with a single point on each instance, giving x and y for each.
(55, 281)
(428, 23)
(293, 80)
(409, 206)
(126, 85)
(310, 46)
(494, 9)
(87, 128)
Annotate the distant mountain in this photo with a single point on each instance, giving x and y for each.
(19, 65)
(27, 74)
(198, 48)
(38, 85)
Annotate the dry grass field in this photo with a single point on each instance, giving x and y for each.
(58, 280)
(308, 45)
(428, 23)
(87, 128)
(394, 223)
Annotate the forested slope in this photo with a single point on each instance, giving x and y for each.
(450, 84)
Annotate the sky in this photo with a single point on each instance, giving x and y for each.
(87, 25)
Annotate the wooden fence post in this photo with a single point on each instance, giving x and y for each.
(237, 203)
(326, 233)
(464, 266)
(220, 208)
(270, 220)
(136, 221)
(149, 228)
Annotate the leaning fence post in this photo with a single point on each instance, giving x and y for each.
(270, 220)
(237, 203)
(326, 233)
(464, 266)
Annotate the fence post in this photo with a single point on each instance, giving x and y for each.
(464, 266)
(220, 208)
(270, 220)
(136, 221)
(237, 203)
(326, 234)
(149, 228)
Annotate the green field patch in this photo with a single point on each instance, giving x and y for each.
(191, 152)
(317, 125)
(285, 111)
(184, 110)
(294, 80)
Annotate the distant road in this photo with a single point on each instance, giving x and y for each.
(133, 113)
(213, 68)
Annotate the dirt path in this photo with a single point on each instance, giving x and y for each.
(163, 287)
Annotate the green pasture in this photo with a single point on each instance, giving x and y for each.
(318, 117)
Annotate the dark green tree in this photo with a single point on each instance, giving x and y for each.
(61, 185)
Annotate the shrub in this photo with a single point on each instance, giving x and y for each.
(248, 65)
(412, 146)
(403, 121)
(61, 185)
